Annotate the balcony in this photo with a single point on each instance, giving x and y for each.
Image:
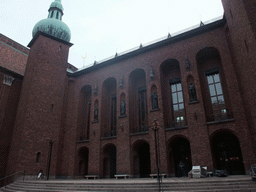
(109, 134)
(140, 129)
(221, 116)
(83, 139)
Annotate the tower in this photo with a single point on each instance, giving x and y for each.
(38, 127)
(241, 33)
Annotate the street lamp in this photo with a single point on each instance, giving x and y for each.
(49, 158)
(155, 129)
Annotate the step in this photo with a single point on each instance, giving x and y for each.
(229, 184)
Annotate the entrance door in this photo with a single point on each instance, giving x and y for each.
(109, 161)
(141, 159)
(83, 161)
(227, 153)
(179, 157)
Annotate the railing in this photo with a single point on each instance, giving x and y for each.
(176, 125)
(84, 137)
(11, 178)
(110, 134)
(218, 117)
(141, 129)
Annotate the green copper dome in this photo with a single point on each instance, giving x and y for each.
(53, 25)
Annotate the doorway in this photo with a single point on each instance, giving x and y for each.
(141, 159)
(179, 157)
(109, 161)
(227, 153)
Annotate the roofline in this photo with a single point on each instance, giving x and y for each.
(194, 32)
(24, 49)
(16, 75)
(49, 36)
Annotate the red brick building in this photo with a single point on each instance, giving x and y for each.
(12, 67)
(197, 87)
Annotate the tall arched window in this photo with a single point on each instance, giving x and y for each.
(84, 112)
(177, 103)
(213, 84)
(173, 102)
(138, 102)
(109, 107)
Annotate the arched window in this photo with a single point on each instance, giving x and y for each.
(109, 107)
(173, 102)
(213, 84)
(84, 112)
(138, 98)
(177, 103)
(216, 92)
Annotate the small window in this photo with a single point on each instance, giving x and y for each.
(38, 156)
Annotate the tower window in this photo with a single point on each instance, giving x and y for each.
(52, 15)
(57, 15)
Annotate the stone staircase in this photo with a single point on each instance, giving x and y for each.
(217, 184)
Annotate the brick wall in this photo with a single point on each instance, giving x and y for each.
(50, 104)
(241, 23)
(40, 110)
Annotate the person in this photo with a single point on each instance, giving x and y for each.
(40, 174)
(182, 169)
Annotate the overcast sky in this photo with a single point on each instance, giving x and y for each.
(100, 28)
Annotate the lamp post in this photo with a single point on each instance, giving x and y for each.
(155, 129)
(49, 158)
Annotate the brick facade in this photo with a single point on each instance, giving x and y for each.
(100, 118)
(12, 67)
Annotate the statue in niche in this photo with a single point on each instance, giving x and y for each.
(123, 109)
(121, 82)
(154, 98)
(151, 73)
(192, 92)
(187, 63)
(96, 113)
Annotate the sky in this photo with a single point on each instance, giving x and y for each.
(102, 28)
